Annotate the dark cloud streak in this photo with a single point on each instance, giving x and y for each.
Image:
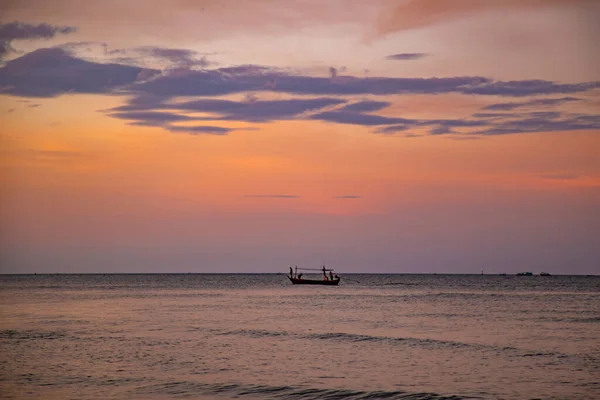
(365, 106)
(536, 102)
(174, 58)
(24, 31)
(200, 129)
(52, 72)
(406, 56)
(271, 196)
(257, 110)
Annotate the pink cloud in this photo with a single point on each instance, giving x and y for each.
(420, 13)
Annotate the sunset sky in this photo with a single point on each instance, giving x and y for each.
(250, 136)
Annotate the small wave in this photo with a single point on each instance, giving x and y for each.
(540, 354)
(24, 335)
(400, 283)
(188, 389)
(387, 339)
(590, 319)
(255, 333)
(433, 344)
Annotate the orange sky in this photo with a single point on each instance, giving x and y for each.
(99, 172)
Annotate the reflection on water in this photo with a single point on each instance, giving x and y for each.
(258, 336)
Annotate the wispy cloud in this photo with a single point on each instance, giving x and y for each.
(24, 31)
(440, 130)
(156, 117)
(341, 117)
(543, 124)
(199, 130)
(65, 73)
(365, 106)
(390, 129)
(406, 56)
(529, 88)
(561, 176)
(536, 102)
(145, 111)
(163, 56)
(420, 13)
(258, 110)
(492, 115)
(47, 155)
(347, 197)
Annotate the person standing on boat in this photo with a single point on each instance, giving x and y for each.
(330, 275)
(291, 272)
(324, 274)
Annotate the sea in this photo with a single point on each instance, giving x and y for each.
(257, 336)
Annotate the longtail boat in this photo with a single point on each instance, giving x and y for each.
(297, 279)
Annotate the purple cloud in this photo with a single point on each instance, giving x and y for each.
(148, 110)
(453, 123)
(156, 117)
(23, 31)
(145, 110)
(390, 129)
(201, 129)
(406, 56)
(351, 118)
(441, 130)
(365, 106)
(491, 115)
(535, 102)
(529, 88)
(169, 57)
(158, 98)
(52, 72)
(258, 111)
(217, 83)
(64, 73)
(542, 124)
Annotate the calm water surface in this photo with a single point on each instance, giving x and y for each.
(259, 337)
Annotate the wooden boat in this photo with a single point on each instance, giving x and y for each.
(297, 279)
(302, 281)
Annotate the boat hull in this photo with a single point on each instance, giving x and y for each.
(296, 281)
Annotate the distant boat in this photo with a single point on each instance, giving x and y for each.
(297, 279)
(525, 274)
(545, 274)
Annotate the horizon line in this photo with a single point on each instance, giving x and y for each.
(276, 273)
